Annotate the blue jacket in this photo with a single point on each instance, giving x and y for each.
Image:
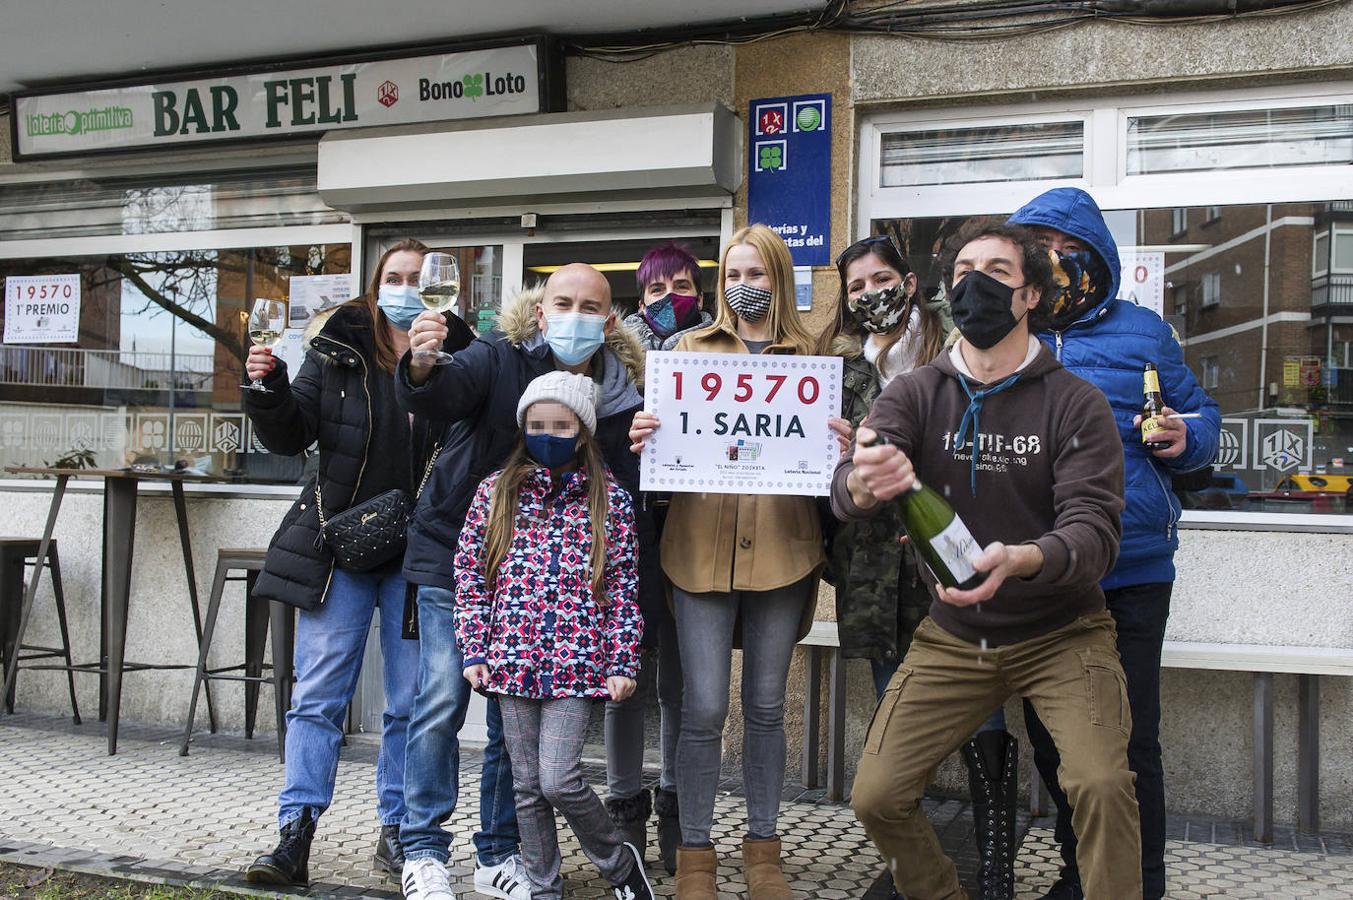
(1109, 347)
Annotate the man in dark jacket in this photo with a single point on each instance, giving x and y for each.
(566, 325)
(1027, 454)
(1108, 342)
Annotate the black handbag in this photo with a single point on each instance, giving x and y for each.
(372, 533)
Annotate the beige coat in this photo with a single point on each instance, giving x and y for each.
(736, 542)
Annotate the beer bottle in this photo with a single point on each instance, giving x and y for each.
(1153, 408)
(940, 536)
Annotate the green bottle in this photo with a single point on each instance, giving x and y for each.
(940, 536)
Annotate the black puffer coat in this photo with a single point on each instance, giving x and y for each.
(342, 400)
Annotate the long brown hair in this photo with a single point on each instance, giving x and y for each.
(506, 502)
(783, 318)
(844, 324)
(387, 357)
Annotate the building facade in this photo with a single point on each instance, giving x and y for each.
(1222, 153)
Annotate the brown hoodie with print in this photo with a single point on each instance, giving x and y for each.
(1049, 471)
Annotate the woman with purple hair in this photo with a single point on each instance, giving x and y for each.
(669, 306)
(669, 297)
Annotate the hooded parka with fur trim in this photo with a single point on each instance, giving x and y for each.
(477, 395)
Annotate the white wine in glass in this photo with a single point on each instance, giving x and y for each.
(438, 288)
(266, 321)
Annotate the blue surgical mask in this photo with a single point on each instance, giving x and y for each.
(550, 450)
(574, 337)
(400, 303)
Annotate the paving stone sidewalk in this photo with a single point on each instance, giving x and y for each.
(148, 813)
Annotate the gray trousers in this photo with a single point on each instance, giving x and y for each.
(770, 623)
(544, 739)
(625, 720)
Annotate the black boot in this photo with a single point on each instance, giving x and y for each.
(1066, 887)
(669, 827)
(630, 815)
(289, 863)
(389, 852)
(993, 776)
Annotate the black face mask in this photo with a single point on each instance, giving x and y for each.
(981, 308)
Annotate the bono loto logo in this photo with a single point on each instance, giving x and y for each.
(472, 86)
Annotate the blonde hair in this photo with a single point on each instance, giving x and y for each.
(506, 502)
(783, 318)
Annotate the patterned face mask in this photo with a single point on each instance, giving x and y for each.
(1080, 282)
(750, 303)
(881, 311)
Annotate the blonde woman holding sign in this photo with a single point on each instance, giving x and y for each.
(745, 567)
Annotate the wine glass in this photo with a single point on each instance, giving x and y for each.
(266, 321)
(438, 288)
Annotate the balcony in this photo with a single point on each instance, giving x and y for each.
(1331, 295)
(105, 369)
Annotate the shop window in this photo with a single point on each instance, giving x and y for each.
(84, 208)
(1211, 290)
(155, 375)
(1285, 388)
(1240, 139)
(1047, 150)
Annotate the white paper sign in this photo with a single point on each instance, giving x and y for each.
(42, 309)
(290, 348)
(1143, 279)
(738, 423)
(311, 293)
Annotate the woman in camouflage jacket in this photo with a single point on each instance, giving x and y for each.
(881, 329)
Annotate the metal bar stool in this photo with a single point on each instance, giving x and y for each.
(260, 617)
(16, 554)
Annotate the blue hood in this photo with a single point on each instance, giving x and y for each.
(1074, 211)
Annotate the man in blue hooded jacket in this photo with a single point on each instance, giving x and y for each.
(1108, 342)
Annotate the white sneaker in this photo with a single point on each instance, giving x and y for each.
(426, 879)
(506, 881)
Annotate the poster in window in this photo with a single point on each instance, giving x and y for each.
(42, 309)
(311, 293)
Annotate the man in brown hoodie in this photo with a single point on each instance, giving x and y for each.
(1029, 457)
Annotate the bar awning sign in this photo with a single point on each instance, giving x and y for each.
(42, 309)
(473, 83)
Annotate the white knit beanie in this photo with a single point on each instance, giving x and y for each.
(575, 390)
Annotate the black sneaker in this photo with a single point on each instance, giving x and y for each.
(636, 886)
(1066, 887)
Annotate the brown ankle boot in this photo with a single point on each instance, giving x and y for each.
(764, 878)
(696, 868)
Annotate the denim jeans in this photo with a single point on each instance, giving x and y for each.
(330, 642)
(770, 625)
(439, 711)
(625, 721)
(1140, 612)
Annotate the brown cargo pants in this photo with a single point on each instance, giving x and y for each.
(945, 688)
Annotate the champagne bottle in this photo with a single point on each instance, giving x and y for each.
(1153, 408)
(940, 536)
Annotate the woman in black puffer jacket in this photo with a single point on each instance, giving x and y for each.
(343, 398)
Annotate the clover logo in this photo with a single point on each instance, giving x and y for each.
(771, 157)
(474, 85)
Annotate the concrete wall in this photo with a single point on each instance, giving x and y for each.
(159, 626)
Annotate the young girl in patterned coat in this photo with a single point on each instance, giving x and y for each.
(547, 617)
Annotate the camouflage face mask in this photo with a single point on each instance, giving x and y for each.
(1080, 282)
(881, 311)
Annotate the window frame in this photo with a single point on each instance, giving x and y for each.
(1105, 150)
(1209, 299)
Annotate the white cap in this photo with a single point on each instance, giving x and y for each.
(576, 391)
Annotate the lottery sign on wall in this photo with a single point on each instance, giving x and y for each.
(42, 309)
(736, 423)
